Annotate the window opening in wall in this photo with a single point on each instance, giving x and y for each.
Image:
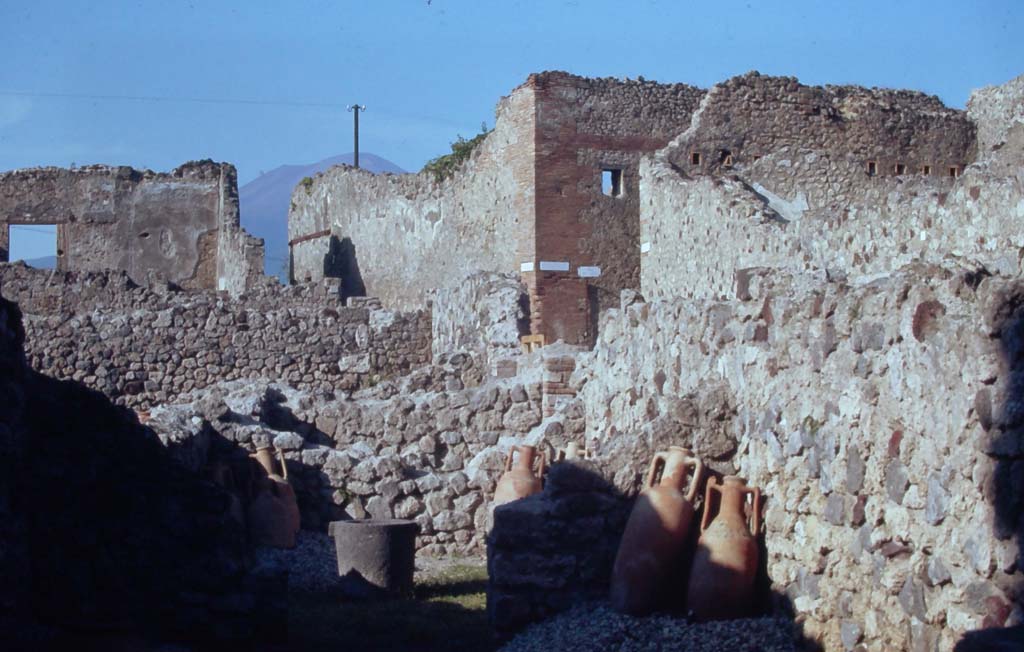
(926, 170)
(899, 168)
(872, 168)
(611, 182)
(954, 171)
(695, 158)
(36, 244)
(725, 157)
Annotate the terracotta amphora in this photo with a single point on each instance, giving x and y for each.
(653, 545)
(725, 564)
(274, 517)
(519, 481)
(572, 451)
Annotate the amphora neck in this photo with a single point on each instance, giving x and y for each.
(675, 472)
(526, 455)
(734, 495)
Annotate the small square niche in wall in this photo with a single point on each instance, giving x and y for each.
(611, 182)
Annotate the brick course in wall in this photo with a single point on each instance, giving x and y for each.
(530, 195)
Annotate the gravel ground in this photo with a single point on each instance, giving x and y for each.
(596, 627)
(311, 564)
(313, 567)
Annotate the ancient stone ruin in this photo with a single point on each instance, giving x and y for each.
(818, 289)
(182, 226)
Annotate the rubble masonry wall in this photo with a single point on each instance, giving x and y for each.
(182, 226)
(143, 347)
(881, 421)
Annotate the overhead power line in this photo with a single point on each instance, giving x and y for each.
(33, 229)
(167, 98)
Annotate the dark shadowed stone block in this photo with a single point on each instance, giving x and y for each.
(1009, 639)
(573, 476)
(376, 557)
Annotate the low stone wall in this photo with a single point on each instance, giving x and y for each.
(429, 446)
(147, 346)
(554, 550)
(881, 421)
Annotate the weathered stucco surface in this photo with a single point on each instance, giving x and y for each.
(529, 200)
(181, 226)
(412, 234)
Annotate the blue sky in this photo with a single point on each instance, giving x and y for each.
(428, 71)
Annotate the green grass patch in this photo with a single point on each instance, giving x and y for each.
(446, 612)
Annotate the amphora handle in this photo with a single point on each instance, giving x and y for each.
(696, 479)
(706, 517)
(284, 467)
(754, 522)
(511, 453)
(652, 473)
(508, 460)
(689, 461)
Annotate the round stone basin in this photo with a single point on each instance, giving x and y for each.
(376, 557)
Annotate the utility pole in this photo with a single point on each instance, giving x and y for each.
(355, 109)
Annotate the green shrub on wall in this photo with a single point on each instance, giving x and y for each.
(445, 166)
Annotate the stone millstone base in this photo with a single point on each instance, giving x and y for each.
(376, 557)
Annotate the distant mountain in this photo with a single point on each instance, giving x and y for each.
(45, 262)
(264, 202)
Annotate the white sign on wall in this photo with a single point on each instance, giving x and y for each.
(554, 266)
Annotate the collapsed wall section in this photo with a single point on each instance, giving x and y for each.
(998, 113)
(182, 226)
(405, 235)
(829, 180)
